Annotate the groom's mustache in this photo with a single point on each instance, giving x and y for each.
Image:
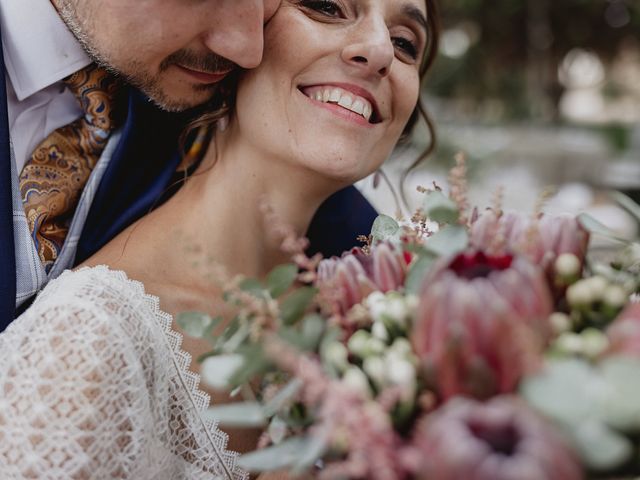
(208, 63)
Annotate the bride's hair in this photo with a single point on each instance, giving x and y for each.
(223, 102)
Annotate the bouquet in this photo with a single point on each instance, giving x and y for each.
(457, 345)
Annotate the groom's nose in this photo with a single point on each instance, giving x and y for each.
(239, 35)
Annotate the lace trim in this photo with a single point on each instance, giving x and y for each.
(182, 360)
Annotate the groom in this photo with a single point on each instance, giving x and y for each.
(93, 98)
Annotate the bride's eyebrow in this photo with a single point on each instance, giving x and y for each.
(415, 14)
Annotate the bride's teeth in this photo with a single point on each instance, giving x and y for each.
(357, 107)
(367, 112)
(345, 101)
(326, 95)
(335, 95)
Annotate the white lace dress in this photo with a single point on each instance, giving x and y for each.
(94, 385)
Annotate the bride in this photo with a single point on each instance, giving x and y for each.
(95, 378)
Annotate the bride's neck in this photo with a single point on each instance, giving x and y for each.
(218, 217)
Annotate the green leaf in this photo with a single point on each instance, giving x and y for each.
(296, 304)
(218, 371)
(241, 414)
(440, 208)
(449, 240)
(284, 396)
(385, 228)
(277, 457)
(601, 448)
(595, 227)
(620, 407)
(255, 362)
(627, 203)
(197, 324)
(316, 448)
(253, 286)
(417, 272)
(559, 391)
(281, 278)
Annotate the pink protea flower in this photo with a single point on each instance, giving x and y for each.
(347, 280)
(502, 439)
(541, 239)
(481, 323)
(624, 332)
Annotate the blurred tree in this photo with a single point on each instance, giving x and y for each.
(503, 56)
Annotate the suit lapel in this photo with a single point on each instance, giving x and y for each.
(7, 256)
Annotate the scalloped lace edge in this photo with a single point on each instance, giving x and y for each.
(201, 400)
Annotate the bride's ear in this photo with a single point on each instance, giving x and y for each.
(222, 123)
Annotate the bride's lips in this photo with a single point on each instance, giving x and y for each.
(204, 77)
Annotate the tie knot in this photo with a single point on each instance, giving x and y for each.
(95, 89)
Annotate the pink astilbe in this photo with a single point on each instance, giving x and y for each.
(624, 332)
(481, 324)
(361, 427)
(346, 281)
(502, 439)
(541, 239)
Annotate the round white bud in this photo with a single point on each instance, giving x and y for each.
(356, 380)
(615, 296)
(567, 265)
(579, 294)
(560, 322)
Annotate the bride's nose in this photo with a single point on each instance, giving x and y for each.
(370, 49)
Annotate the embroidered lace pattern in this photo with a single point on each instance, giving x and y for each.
(94, 385)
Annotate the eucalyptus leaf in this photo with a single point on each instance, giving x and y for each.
(197, 324)
(316, 448)
(278, 457)
(600, 447)
(253, 286)
(417, 272)
(595, 227)
(241, 414)
(620, 408)
(449, 240)
(385, 228)
(254, 363)
(294, 306)
(627, 203)
(440, 208)
(284, 396)
(281, 278)
(559, 391)
(217, 371)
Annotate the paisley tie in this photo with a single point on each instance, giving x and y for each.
(53, 178)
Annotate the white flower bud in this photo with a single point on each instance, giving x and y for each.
(357, 344)
(579, 294)
(570, 343)
(379, 331)
(376, 368)
(402, 347)
(401, 372)
(376, 302)
(337, 355)
(594, 342)
(615, 296)
(560, 322)
(567, 265)
(397, 309)
(597, 285)
(356, 380)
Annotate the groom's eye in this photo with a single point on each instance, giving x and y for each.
(325, 7)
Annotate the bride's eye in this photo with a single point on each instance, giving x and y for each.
(406, 47)
(328, 8)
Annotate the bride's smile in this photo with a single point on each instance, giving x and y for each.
(341, 78)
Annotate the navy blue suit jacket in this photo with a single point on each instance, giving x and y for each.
(137, 179)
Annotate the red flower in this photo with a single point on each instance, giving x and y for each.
(624, 332)
(480, 324)
(502, 439)
(542, 240)
(348, 280)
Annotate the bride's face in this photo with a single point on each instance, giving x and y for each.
(337, 85)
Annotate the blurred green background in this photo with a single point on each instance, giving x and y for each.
(536, 93)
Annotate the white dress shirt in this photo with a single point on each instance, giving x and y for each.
(39, 51)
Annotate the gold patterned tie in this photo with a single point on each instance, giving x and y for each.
(53, 177)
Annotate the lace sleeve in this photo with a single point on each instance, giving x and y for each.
(72, 404)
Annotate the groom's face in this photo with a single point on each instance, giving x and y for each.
(176, 51)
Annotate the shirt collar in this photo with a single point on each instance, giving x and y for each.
(39, 50)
